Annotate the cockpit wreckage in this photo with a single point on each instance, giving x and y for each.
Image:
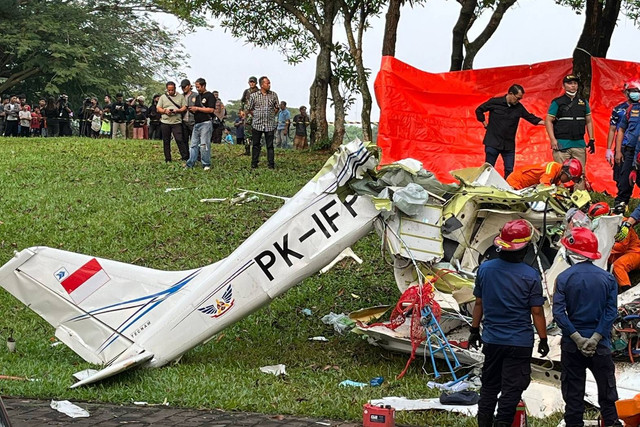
(121, 316)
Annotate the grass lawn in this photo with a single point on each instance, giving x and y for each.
(107, 198)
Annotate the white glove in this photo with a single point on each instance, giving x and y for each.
(578, 339)
(609, 156)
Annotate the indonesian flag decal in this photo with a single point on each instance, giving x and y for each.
(85, 281)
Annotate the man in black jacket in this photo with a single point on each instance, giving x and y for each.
(505, 113)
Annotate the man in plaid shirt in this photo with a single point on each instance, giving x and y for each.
(263, 106)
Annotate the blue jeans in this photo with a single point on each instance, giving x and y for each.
(508, 158)
(200, 142)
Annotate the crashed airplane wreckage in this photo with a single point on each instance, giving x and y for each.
(122, 316)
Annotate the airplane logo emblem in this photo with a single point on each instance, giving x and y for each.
(61, 274)
(221, 306)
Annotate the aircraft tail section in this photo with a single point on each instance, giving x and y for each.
(97, 306)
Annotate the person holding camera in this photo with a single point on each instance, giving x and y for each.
(119, 117)
(171, 105)
(64, 115)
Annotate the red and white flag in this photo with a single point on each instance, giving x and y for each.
(85, 280)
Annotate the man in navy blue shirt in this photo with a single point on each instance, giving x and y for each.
(508, 293)
(584, 306)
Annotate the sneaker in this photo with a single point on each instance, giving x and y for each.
(207, 168)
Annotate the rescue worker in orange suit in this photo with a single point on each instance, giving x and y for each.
(625, 255)
(627, 147)
(546, 173)
(508, 294)
(585, 307)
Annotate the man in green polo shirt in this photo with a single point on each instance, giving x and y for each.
(171, 105)
(566, 120)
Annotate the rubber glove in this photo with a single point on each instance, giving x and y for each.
(609, 156)
(543, 347)
(578, 339)
(589, 347)
(592, 146)
(623, 231)
(474, 338)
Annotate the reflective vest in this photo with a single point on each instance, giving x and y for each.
(570, 119)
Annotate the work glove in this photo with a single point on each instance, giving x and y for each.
(578, 339)
(623, 231)
(543, 347)
(609, 156)
(592, 146)
(589, 347)
(474, 338)
(633, 175)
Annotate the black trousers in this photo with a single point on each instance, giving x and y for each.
(11, 128)
(621, 175)
(506, 370)
(53, 127)
(256, 135)
(155, 131)
(574, 374)
(176, 130)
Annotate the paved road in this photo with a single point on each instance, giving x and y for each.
(25, 412)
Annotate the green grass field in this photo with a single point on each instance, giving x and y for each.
(107, 198)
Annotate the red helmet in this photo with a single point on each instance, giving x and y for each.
(514, 235)
(573, 168)
(632, 84)
(582, 241)
(599, 209)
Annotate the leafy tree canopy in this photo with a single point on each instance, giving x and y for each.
(85, 47)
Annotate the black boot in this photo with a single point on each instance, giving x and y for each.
(485, 420)
(501, 424)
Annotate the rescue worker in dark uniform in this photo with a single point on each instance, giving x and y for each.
(584, 306)
(508, 294)
(627, 147)
(614, 126)
(566, 120)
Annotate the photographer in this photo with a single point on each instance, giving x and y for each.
(119, 117)
(64, 115)
(171, 105)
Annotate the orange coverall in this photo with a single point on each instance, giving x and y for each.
(526, 176)
(625, 257)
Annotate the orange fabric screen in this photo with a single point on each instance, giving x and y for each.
(431, 117)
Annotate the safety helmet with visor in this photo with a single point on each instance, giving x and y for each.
(598, 209)
(514, 235)
(581, 241)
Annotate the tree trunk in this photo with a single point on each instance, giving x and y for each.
(391, 28)
(338, 105)
(460, 33)
(319, 129)
(472, 48)
(595, 39)
(355, 48)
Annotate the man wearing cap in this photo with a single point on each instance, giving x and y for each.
(566, 120)
(505, 113)
(188, 120)
(244, 103)
(508, 295)
(585, 307)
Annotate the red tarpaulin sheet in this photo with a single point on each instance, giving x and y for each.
(431, 117)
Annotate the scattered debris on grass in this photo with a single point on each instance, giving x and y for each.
(70, 409)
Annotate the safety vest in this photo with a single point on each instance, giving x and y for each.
(570, 119)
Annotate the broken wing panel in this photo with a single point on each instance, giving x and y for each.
(97, 306)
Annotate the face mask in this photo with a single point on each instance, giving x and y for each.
(634, 96)
(571, 93)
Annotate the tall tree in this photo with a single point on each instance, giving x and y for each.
(356, 15)
(464, 51)
(299, 28)
(73, 45)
